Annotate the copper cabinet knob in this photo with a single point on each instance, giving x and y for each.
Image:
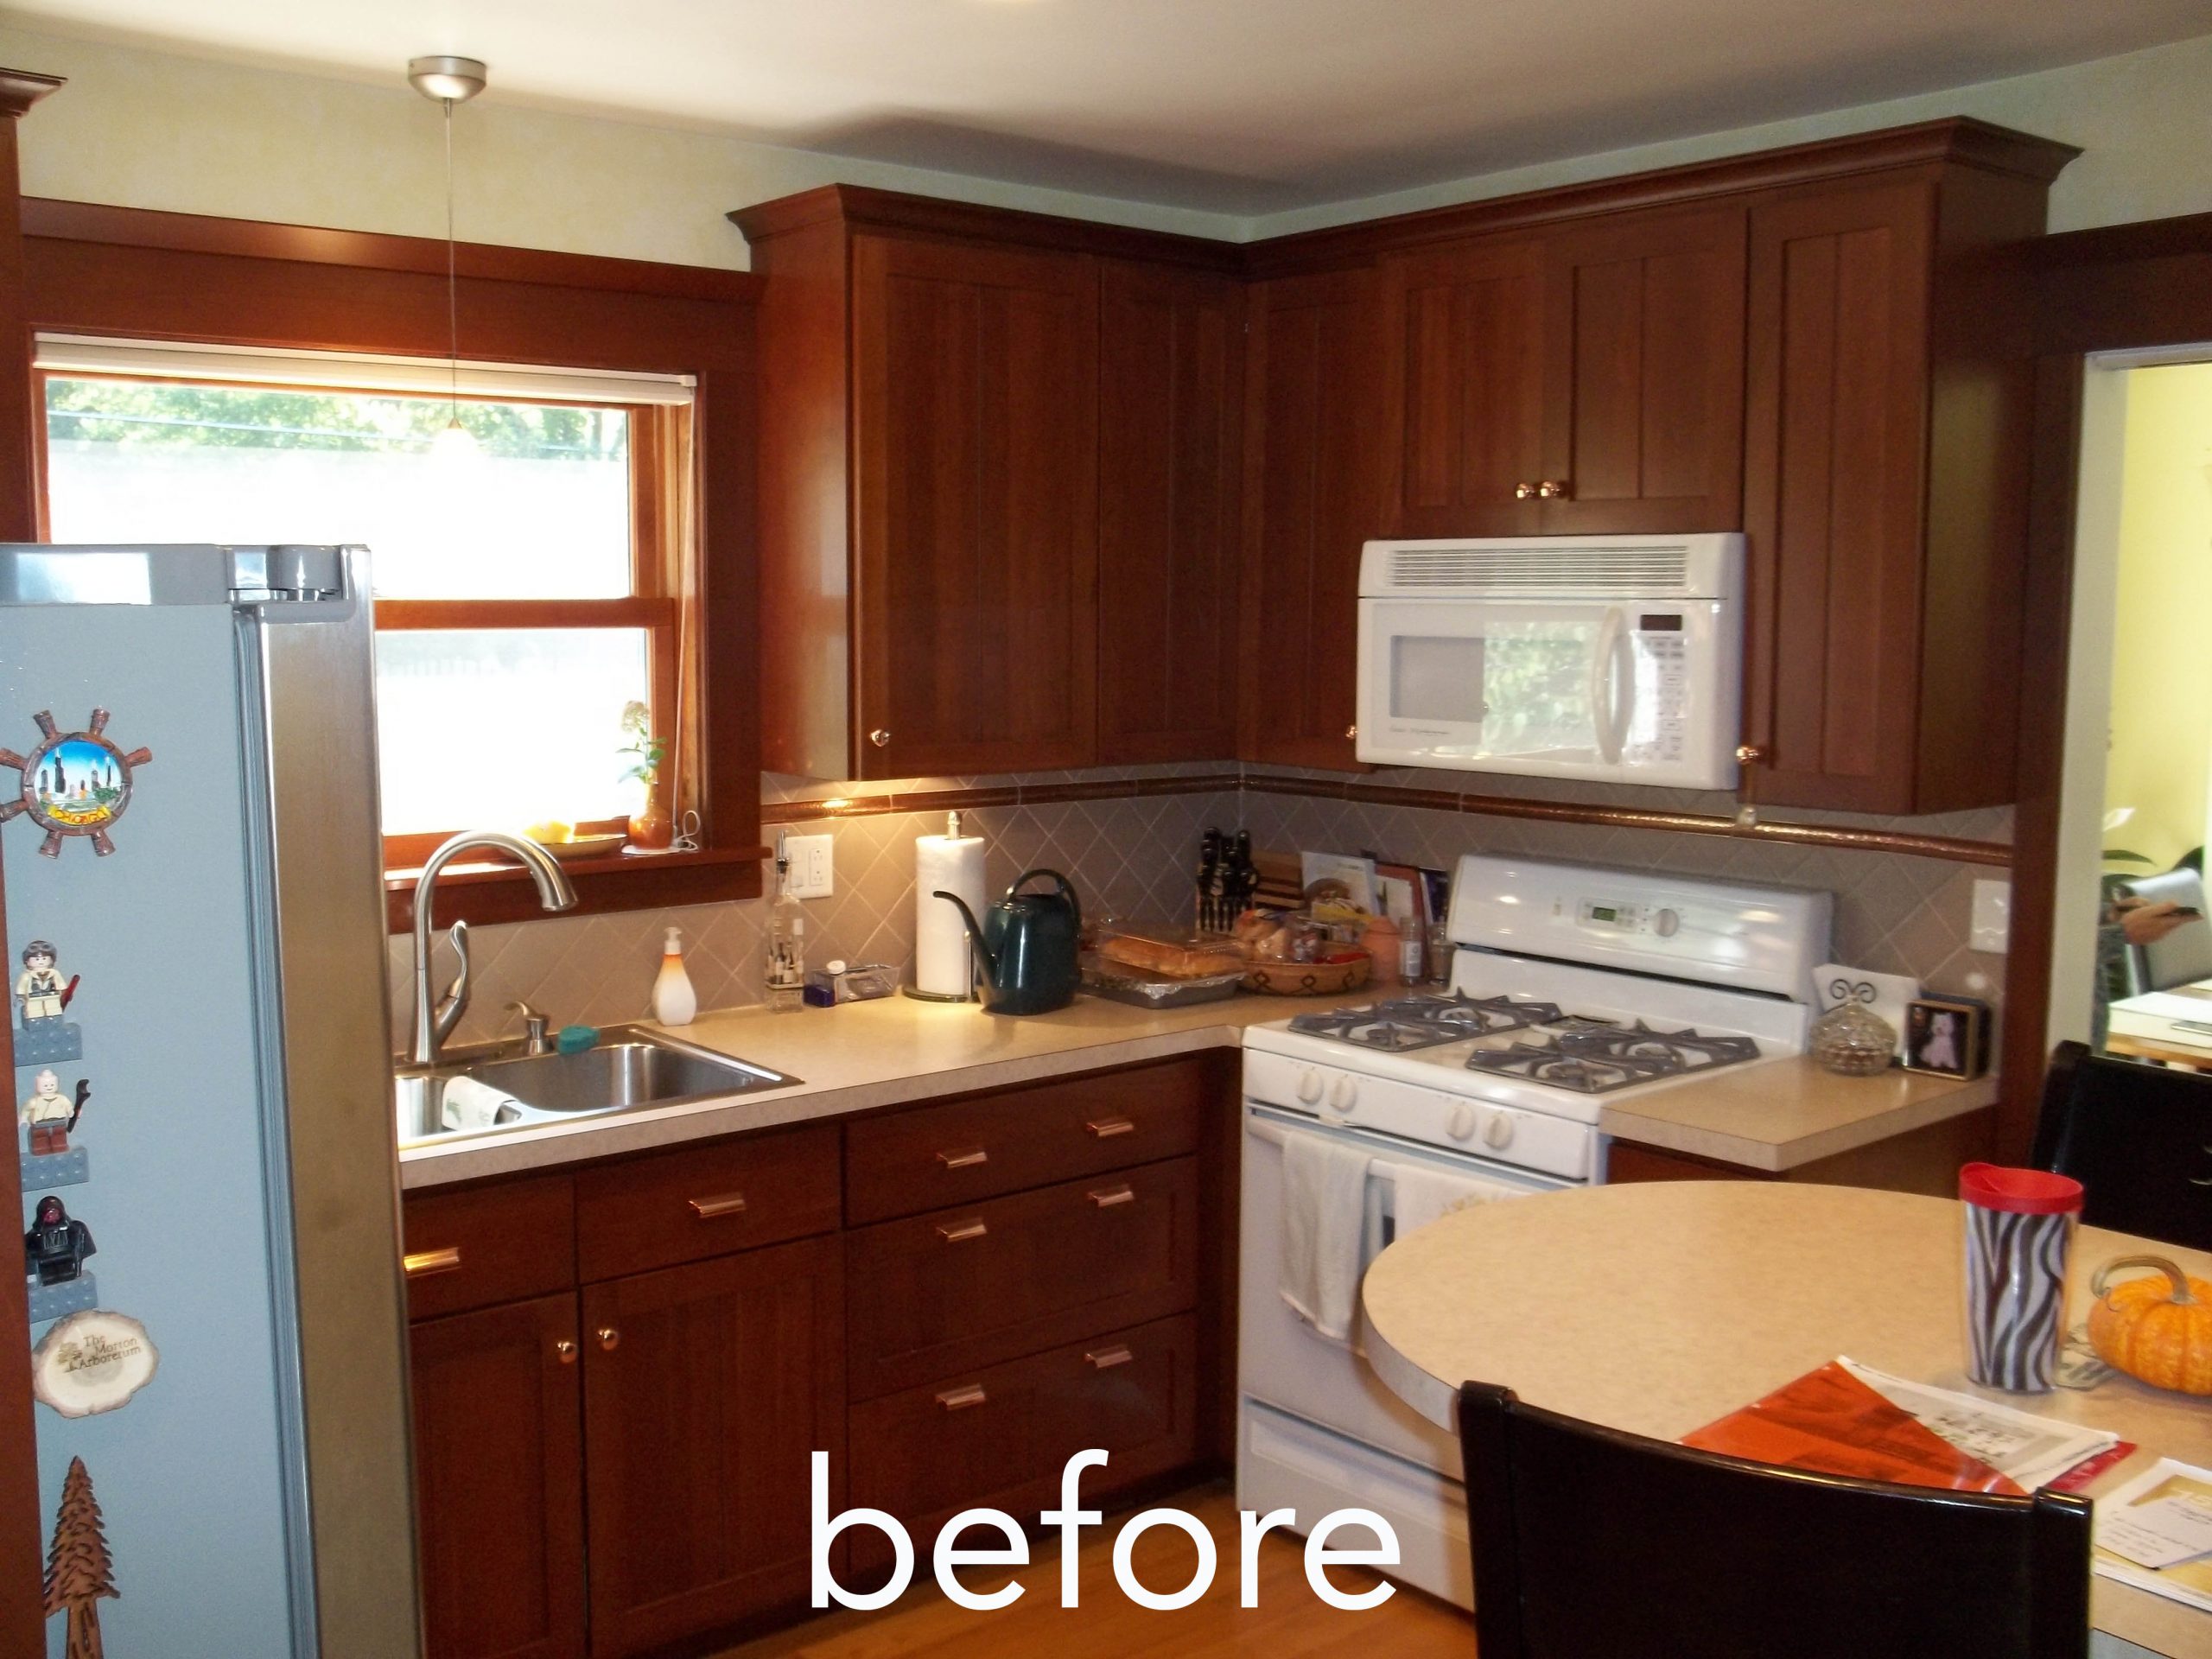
(880, 737)
(1552, 489)
(1749, 755)
(609, 1337)
(566, 1351)
(1351, 731)
(1522, 492)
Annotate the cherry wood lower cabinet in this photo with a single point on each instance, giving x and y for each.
(706, 1388)
(498, 1481)
(1924, 1160)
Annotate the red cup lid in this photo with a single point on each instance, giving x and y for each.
(2023, 1191)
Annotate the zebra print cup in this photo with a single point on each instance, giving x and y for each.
(2020, 1222)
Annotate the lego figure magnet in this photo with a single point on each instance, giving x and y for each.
(73, 783)
(49, 1115)
(55, 1246)
(41, 997)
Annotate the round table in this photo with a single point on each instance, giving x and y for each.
(1659, 1307)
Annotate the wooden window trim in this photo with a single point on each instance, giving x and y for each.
(136, 274)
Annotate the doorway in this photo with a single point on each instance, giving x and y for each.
(2137, 789)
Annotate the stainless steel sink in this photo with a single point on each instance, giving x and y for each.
(630, 1069)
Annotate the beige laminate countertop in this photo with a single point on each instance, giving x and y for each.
(896, 1051)
(1659, 1307)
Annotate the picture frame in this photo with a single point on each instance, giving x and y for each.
(1947, 1036)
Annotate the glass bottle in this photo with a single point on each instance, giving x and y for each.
(786, 986)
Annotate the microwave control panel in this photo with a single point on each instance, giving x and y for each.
(1664, 670)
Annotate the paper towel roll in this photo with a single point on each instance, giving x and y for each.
(951, 864)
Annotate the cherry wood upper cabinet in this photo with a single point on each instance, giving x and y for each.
(1317, 487)
(1469, 322)
(498, 1481)
(1171, 369)
(975, 535)
(1885, 491)
(706, 1388)
(1644, 406)
(930, 446)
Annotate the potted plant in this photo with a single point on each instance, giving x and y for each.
(652, 827)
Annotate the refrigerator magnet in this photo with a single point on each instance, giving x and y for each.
(93, 1362)
(42, 998)
(80, 1574)
(73, 783)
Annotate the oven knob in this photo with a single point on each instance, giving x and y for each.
(1309, 1087)
(1665, 923)
(1498, 1132)
(1462, 1126)
(1343, 1094)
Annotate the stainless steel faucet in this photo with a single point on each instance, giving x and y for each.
(433, 1024)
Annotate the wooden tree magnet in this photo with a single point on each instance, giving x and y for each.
(79, 1574)
(73, 783)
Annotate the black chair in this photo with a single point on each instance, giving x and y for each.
(1592, 1544)
(2138, 1137)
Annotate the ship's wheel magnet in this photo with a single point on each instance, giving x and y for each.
(75, 783)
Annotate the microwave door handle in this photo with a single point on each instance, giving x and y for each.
(1603, 688)
(1623, 694)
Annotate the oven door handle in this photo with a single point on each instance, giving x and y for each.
(1610, 709)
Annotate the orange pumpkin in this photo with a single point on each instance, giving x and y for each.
(2159, 1330)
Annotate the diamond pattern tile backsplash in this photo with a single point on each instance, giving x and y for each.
(1133, 858)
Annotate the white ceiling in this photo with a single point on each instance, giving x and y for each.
(1232, 105)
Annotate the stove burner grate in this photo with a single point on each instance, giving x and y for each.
(1595, 1059)
(1401, 1023)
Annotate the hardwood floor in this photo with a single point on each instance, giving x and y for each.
(1289, 1622)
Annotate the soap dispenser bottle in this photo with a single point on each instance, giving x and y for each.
(674, 1000)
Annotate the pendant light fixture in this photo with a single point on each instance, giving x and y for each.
(450, 80)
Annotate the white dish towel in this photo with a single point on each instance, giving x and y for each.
(469, 1104)
(1323, 1230)
(1422, 1192)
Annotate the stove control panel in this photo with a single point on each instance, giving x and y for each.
(1333, 1095)
(1614, 917)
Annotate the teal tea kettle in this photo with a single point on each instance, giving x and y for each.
(1026, 946)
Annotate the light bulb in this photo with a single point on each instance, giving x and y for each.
(456, 442)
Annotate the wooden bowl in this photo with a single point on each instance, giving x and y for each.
(579, 848)
(1307, 978)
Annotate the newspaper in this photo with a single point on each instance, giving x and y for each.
(2164, 1500)
(2032, 1451)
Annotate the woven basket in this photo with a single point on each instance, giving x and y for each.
(1307, 978)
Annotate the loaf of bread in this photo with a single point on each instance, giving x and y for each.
(1169, 959)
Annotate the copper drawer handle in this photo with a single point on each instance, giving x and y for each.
(1106, 1128)
(959, 1399)
(421, 1264)
(967, 1160)
(1107, 1196)
(953, 1235)
(1106, 1358)
(726, 1204)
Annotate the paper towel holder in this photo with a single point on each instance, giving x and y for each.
(972, 994)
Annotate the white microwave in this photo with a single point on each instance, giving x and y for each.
(1617, 657)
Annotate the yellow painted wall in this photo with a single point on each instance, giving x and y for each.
(150, 130)
(2161, 753)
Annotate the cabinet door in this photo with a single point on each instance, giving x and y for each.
(498, 1492)
(706, 1388)
(1318, 486)
(1470, 320)
(976, 535)
(1170, 359)
(1833, 484)
(1643, 417)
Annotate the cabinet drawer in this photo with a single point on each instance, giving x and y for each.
(981, 1284)
(970, 1149)
(703, 1201)
(999, 1436)
(490, 1244)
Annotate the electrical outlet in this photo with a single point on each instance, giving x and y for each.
(1993, 917)
(811, 868)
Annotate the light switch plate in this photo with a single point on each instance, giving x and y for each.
(812, 871)
(1992, 928)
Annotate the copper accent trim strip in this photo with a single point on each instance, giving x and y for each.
(1996, 853)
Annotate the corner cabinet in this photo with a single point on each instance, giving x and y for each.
(930, 448)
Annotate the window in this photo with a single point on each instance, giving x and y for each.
(528, 586)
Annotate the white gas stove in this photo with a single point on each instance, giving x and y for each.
(1571, 988)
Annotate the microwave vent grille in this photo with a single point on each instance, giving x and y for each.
(1620, 570)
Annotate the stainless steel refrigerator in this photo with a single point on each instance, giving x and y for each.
(195, 946)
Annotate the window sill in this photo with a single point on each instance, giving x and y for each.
(503, 892)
